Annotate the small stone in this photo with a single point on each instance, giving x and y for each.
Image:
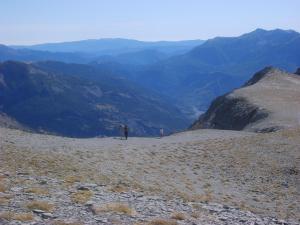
(43, 182)
(7, 174)
(83, 188)
(47, 215)
(22, 173)
(89, 203)
(16, 189)
(225, 207)
(102, 220)
(38, 211)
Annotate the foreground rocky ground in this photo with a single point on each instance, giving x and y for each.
(197, 177)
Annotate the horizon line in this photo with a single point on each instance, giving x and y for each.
(140, 40)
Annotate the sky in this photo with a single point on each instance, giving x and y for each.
(25, 22)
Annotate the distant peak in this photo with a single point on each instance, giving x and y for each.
(261, 74)
(259, 30)
(298, 71)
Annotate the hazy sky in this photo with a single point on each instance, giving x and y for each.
(38, 21)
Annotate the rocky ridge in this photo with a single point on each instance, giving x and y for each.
(269, 101)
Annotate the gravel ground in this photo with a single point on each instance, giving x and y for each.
(197, 177)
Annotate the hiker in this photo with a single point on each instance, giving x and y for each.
(126, 131)
(161, 132)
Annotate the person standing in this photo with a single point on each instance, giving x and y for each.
(161, 132)
(126, 131)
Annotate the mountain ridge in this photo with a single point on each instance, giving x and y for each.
(81, 101)
(113, 46)
(269, 101)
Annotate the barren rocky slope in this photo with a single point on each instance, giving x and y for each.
(196, 177)
(267, 102)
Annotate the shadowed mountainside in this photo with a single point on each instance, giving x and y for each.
(80, 101)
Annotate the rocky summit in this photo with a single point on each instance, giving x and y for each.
(269, 101)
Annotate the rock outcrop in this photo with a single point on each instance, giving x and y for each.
(269, 101)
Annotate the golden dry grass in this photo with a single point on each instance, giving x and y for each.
(115, 208)
(2, 188)
(23, 217)
(7, 215)
(37, 190)
(5, 199)
(162, 222)
(81, 196)
(41, 205)
(178, 216)
(61, 222)
(70, 180)
(119, 188)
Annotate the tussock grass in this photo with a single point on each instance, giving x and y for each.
(61, 222)
(2, 188)
(7, 215)
(178, 216)
(71, 179)
(41, 205)
(23, 217)
(5, 199)
(115, 208)
(81, 196)
(162, 222)
(37, 190)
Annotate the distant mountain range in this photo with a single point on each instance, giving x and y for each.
(123, 51)
(115, 46)
(27, 55)
(219, 65)
(81, 101)
(185, 75)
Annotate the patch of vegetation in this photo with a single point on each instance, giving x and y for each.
(61, 222)
(178, 216)
(81, 196)
(115, 208)
(41, 205)
(23, 217)
(2, 188)
(162, 222)
(37, 190)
